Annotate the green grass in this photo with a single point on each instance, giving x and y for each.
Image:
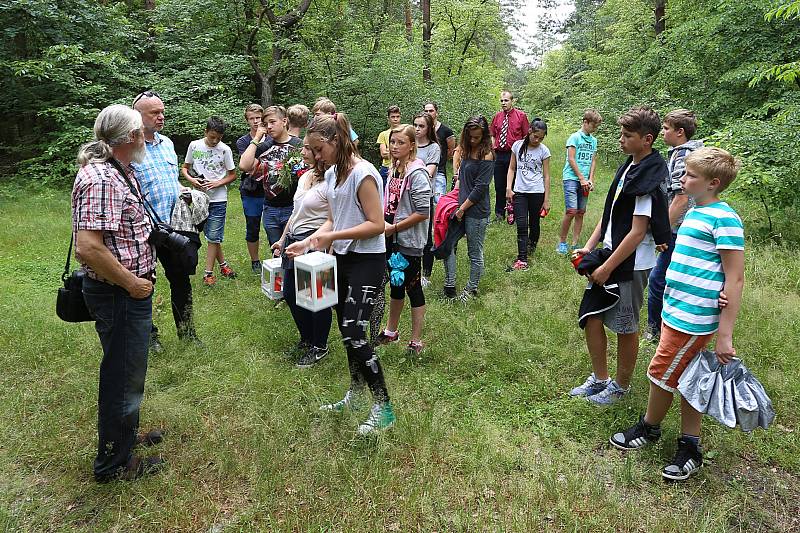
(486, 438)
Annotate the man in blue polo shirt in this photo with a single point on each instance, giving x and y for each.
(158, 175)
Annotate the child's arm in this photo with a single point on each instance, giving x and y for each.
(733, 266)
(592, 169)
(512, 171)
(623, 251)
(594, 239)
(571, 151)
(188, 177)
(229, 177)
(677, 208)
(384, 151)
(248, 160)
(546, 173)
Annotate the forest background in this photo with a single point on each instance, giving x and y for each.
(735, 62)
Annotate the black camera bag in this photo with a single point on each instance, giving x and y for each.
(70, 305)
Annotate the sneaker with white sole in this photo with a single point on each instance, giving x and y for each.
(381, 417)
(349, 401)
(518, 266)
(591, 386)
(425, 282)
(637, 436)
(610, 395)
(386, 337)
(688, 460)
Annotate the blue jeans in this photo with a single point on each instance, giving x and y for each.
(439, 187)
(215, 225)
(475, 229)
(123, 325)
(274, 220)
(657, 282)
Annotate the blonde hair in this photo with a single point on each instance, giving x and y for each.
(298, 115)
(325, 105)
(682, 119)
(411, 134)
(112, 127)
(712, 162)
(275, 110)
(253, 108)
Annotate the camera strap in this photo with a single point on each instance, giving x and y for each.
(148, 209)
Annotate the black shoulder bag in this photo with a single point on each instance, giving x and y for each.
(70, 305)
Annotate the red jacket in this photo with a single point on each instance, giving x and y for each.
(448, 204)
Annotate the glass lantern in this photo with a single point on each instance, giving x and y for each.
(315, 281)
(272, 278)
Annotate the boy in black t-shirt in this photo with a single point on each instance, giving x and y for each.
(277, 200)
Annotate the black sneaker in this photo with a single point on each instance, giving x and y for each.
(467, 295)
(154, 346)
(637, 436)
(449, 292)
(313, 356)
(688, 460)
(256, 266)
(297, 350)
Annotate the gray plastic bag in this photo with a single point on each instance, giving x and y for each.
(730, 393)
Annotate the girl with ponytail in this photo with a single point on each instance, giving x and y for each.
(354, 232)
(528, 187)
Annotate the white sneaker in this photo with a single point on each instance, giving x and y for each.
(349, 399)
(381, 417)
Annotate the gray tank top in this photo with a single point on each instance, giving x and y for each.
(347, 211)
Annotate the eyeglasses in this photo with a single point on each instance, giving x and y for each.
(149, 93)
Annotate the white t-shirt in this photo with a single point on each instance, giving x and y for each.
(530, 174)
(310, 206)
(646, 250)
(212, 163)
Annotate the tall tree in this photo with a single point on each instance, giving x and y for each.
(426, 39)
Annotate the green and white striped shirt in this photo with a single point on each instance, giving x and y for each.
(695, 276)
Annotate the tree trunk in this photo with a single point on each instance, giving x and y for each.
(149, 4)
(409, 27)
(660, 12)
(426, 39)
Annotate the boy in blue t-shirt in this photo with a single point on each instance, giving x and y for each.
(707, 268)
(578, 177)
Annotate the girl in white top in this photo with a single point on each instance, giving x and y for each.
(309, 213)
(528, 187)
(354, 230)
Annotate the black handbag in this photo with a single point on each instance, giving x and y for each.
(70, 305)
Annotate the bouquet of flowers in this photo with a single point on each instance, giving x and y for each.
(282, 174)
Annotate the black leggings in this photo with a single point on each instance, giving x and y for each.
(359, 280)
(527, 206)
(411, 283)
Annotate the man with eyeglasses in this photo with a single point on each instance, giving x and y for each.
(158, 175)
(508, 126)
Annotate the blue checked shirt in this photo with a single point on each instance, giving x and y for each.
(158, 176)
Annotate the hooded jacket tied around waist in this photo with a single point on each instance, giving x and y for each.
(646, 178)
(415, 197)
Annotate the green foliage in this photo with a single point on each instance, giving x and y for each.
(710, 59)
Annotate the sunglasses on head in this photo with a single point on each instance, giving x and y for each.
(149, 93)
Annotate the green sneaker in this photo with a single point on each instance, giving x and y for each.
(349, 401)
(381, 417)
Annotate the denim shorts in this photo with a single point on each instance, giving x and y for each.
(574, 200)
(215, 225)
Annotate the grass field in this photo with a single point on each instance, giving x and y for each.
(486, 440)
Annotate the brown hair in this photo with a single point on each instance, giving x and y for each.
(253, 108)
(592, 116)
(336, 129)
(429, 123)
(410, 133)
(325, 105)
(392, 109)
(485, 147)
(712, 162)
(275, 110)
(298, 115)
(682, 119)
(641, 120)
(318, 170)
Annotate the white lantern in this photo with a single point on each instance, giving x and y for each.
(272, 278)
(315, 281)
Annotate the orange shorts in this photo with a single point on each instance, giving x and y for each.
(675, 350)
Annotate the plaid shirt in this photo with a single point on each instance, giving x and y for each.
(102, 201)
(158, 176)
(187, 215)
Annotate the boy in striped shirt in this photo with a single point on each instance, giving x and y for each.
(707, 266)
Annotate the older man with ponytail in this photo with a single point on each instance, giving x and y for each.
(111, 231)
